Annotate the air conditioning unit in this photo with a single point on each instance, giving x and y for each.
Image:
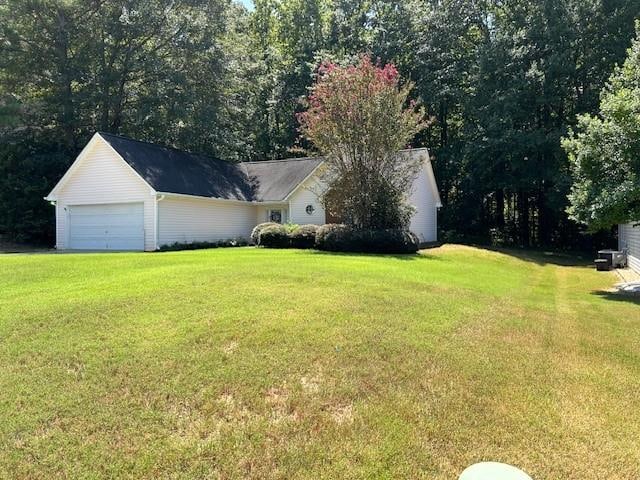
(614, 258)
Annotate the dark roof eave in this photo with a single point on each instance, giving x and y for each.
(227, 200)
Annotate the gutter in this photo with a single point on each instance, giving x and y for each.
(159, 198)
(223, 200)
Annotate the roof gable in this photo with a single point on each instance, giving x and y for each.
(275, 180)
(84, 155)
(174, 171)
(169, 170)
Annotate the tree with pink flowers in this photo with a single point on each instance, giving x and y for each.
(359, 117)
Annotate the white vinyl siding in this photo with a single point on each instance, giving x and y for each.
(629, 239)
(102, 177)
(192, 219)
(307, 194)
(424, 220)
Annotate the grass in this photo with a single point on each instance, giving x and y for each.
(250, 363)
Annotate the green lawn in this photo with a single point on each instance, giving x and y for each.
(250, 363)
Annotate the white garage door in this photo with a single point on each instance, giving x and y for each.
(106, 227)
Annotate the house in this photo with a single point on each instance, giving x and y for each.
(629, 240)
(123, 194)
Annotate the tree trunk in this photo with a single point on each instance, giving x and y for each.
(444, 127)
(66, 116)
(499, 214)
(523, 214)
(543, 217)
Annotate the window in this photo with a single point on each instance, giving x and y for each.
(275, 216)
(310, 209)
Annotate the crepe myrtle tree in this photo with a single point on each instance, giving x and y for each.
(359, 117)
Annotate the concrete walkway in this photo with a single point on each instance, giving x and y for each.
(627, 275)
(629, 281)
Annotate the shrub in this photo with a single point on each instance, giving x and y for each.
(291, 227)
(329, 235)
(303, 237)
(274, 236)
(341, 238)
(237, 242)
(255, 234)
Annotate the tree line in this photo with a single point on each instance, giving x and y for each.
(501, 81)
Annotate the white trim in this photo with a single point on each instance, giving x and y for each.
(151, 189)
(432, 180)
(81, 156)
(83, 153)
(430, 175)
(223, 200)
(156, 221)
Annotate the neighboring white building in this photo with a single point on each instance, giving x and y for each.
(123, 194)
(629, 240)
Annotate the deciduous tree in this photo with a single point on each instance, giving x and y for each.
(604, 151)
(359, 117)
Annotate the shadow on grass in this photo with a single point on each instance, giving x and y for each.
(544, 257)
(618, 296)
(397, 256)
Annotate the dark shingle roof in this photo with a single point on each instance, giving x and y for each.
(274, 180)
(174, 171)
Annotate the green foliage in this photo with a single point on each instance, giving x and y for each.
(605, 152)
(257, 230)
(359, 118)
(274, 236)
(178, 246)
(30, 165)
(291, 227)
(151, 70)
(504, 81)
(343, 238)
(303, 236)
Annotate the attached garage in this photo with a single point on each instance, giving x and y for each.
(106, 227)
(103, 204)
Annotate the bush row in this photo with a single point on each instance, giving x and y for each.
(274, 235)
(238, 242)
(334, 238)
(341, 238)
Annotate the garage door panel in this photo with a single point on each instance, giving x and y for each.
(98, 221)
(107, 227)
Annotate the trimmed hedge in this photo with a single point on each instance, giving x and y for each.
(303, 236)
(274, 236)
(341, 238)
(255, 233)
(177, 246)
(335, 238)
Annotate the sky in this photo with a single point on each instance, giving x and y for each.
(246, 3)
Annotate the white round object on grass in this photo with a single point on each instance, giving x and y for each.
(493, 471)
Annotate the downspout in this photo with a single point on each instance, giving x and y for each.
(55, 212)
(159, 198)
